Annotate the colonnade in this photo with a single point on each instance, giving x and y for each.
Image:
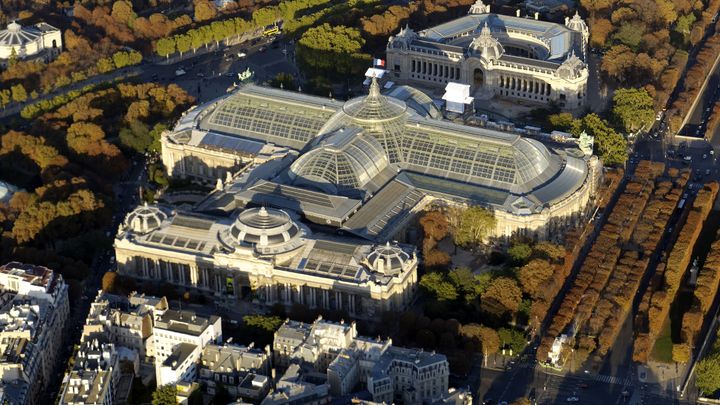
(313, 297)
(431, 69)
(524, 85)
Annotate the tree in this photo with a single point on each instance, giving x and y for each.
(513, 338)
(13, 59)
(165, 395)
(609, 145)
(476, 224)
(109, 281)
(434, 224)
(549, 251)
(600, 29)
(136, 137)
(440, 288)
(183, 43)
(463, 279)
(333, 50)
(204, 10)
(633, 109)
(505, 292)
(18, 93)
(630, 34)
(123, 13)
(708, 373)
(83, 136)
(681, 352)
(263, 322)
(165, 47)
(533, 275)
(519, 253)
(485, 339)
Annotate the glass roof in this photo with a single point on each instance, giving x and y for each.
(347, 160)
(374, 107)
(269, 120)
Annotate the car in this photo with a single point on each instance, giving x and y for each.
(200, 75)
(262, 49)
(229, 74)
(573, 399)
(704, 155)
(241, 54)
(583, 386)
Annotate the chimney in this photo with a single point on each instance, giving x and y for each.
(517, 13)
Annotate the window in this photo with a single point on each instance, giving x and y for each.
(397, 68)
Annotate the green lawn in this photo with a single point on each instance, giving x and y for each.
(662, 351)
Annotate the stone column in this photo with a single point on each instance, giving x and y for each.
(193, 276)
(326, 299)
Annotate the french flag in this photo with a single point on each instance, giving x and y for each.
(379, 63)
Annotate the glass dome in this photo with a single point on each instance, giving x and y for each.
(144, 219)
(267, 230)
(532, 159)
(381, 117)
(342, 164)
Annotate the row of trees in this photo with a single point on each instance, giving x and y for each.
(614, 305)
(661, 293)
(642, 38)
(580, 302)
(121, 24)
(693, 82)
(29, 79)
(706, 288)
(287, 11)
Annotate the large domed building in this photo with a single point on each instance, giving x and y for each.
(366, 165)
(312, 193)
(511, 57)
(267, 256)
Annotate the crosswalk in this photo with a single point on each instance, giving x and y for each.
(608, 379)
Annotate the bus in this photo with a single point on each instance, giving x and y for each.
(271, 31)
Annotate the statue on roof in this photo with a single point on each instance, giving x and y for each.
(586, 143)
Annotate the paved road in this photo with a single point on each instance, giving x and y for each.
(126, 199)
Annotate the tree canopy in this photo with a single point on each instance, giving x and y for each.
(708, 373)
(476, 223)
(486, 339)
(439, 287)
(609, 145)
(633, 109)
(334, 50)
(165, 395)
(505, 292)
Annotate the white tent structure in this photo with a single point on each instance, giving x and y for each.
(457, 96)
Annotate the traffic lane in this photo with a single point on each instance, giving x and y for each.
(561, 388)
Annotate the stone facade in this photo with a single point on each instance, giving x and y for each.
(516, 58)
